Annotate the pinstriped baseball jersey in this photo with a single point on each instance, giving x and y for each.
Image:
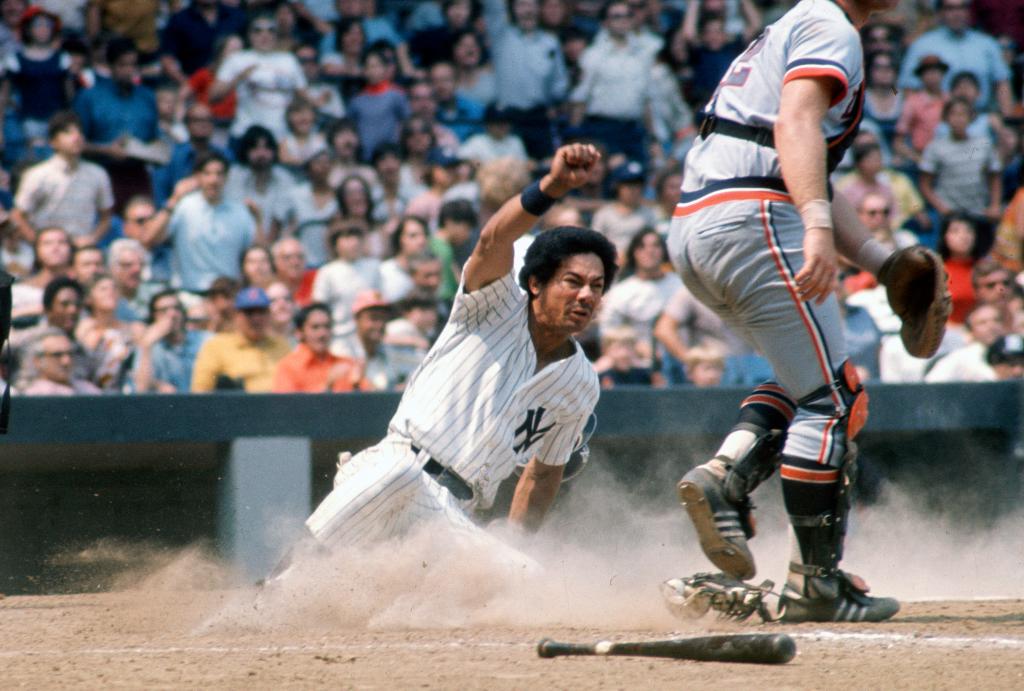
(477, 403)
(814, 39)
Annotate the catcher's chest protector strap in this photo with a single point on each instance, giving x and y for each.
(6, 281)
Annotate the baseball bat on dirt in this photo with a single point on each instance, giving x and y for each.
(756, 648)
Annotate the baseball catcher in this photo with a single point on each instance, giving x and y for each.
(756, 236)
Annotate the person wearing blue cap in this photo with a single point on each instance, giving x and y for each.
(627, 215)
(442, 173)
(246, 357)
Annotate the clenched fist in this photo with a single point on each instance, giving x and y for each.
(570, 169)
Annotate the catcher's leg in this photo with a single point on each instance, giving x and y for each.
(817, 498)
(716, 494)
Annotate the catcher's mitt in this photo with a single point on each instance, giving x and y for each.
(692, 597)
(917, 287)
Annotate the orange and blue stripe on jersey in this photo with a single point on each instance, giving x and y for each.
(751, 188)
(818, 67)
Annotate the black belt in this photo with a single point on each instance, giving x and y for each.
(446, 477)
(762, 136)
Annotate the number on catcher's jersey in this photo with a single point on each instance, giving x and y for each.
(740, 69)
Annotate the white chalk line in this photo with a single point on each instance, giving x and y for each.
(235, 649)
(912, 640)
(879, 639)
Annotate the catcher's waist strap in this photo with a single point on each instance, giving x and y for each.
(713, 124)
(446, 477)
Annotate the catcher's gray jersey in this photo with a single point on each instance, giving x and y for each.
(814, 39)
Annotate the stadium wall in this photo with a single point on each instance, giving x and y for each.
(87, 485)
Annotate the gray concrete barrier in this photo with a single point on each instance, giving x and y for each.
(243, 471)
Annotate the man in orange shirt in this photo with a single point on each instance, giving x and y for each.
(310, 367)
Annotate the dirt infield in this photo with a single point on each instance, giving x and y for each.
(430, 612)
(155, 640)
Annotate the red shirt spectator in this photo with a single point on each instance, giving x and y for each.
(311, 368)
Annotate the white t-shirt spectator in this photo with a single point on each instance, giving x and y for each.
(54, 194)
(483, 147)
(337, 285)
(264, 95)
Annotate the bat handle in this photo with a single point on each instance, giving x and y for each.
(552, 648)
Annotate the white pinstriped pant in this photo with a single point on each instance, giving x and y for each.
(383, 493)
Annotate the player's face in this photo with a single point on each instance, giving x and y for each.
(569, 301)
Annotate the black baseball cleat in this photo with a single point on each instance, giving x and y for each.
(850, 603)
(719, 523)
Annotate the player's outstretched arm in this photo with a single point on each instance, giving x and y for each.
(493, 255)
(534, 495)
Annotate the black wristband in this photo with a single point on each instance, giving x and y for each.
(534, 201)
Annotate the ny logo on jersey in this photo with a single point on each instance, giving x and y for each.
(531, 429)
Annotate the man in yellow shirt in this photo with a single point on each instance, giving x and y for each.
(245, 358)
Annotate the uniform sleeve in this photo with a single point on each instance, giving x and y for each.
(500, 299)
(558, 444)
(822, 48)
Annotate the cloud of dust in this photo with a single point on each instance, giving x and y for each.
(604, 552)
(110, 564)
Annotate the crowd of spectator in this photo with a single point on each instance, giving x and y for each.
(279, 195)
